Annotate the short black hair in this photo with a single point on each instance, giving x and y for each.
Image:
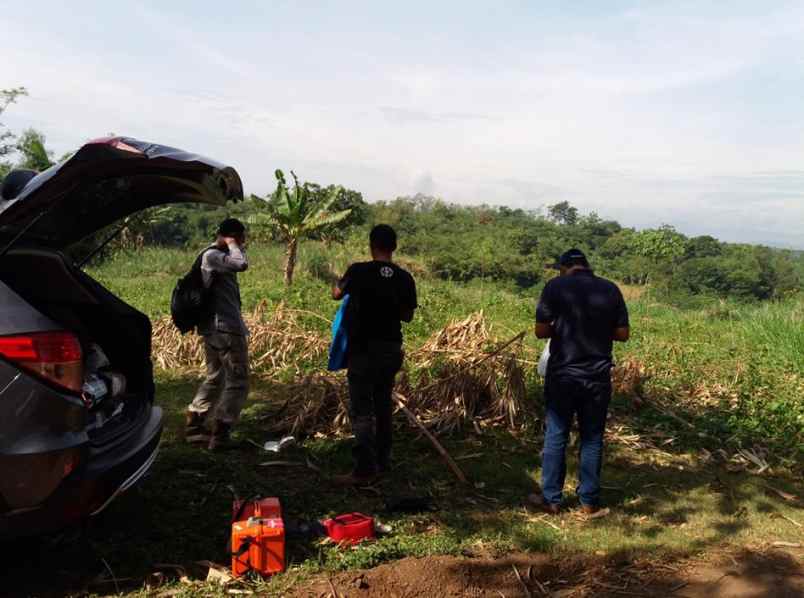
(383, 237)
(231, 227)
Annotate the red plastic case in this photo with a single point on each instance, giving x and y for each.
(258, 537)
(350, 528)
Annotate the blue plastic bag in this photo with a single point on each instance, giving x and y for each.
(340, 342)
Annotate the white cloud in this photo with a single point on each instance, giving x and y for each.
(652, 116)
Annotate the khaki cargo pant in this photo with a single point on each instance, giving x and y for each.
(224, 391)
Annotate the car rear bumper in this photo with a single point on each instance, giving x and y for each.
(105, 475)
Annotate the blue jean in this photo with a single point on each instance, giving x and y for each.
(565, 396)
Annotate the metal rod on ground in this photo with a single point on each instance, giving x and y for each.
(400, 400)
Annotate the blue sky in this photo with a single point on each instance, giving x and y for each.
(686, 113)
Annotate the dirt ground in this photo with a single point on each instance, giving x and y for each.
(771, 573)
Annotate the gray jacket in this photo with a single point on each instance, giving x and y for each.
(219, 270)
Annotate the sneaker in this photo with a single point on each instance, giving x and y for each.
(221, 437)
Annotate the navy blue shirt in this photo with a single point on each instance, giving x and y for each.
(584, 310)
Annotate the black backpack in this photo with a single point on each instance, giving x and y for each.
(190, 302)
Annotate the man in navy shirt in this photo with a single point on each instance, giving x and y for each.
(582, 314)
(381, 296)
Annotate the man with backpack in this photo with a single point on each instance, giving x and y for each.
(582, 314)
(381, 296)
(225, 388)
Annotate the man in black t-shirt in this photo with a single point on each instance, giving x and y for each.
(381, 296)
(581, 314)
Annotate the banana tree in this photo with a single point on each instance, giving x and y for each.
(295, 214)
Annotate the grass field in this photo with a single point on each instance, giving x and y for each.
(737, 369)
(723, 376)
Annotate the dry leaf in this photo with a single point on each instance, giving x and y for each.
(219, 576)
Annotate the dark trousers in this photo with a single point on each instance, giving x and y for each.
(371, 381)
(566, 397)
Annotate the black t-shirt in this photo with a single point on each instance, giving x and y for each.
(584, 310)
(379, 293)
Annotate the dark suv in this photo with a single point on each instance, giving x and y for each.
(77, 421)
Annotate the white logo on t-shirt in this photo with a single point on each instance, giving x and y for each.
(386, 272)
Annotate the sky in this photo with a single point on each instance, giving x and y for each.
(684, 113)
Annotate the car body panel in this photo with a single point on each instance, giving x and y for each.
(105, 181)
(89, 489)
(56, 468)
(18, 316)
(44, 418)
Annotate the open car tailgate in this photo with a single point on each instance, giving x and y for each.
(109, 179)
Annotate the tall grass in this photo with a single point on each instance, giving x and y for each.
(779, 329)
(736, 369)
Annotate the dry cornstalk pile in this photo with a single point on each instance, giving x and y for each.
(317, 403)
(629, 378)
(457, 377)
(278, 342)
(460, 376)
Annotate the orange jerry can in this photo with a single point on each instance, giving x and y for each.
(258, 537)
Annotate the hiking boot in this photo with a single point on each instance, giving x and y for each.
(537, 501)
(354, 479)
(221, 437)
(194, 430)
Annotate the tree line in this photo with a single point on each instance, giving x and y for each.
(455, 242)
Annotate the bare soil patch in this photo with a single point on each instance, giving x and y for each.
(747, 574)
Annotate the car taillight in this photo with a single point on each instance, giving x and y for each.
(55, 356)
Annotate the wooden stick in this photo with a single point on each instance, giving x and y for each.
(787, 544)
(400, 400)
(521, 582)
(793, 521)
(332, 587)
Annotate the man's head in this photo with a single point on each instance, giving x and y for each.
(382, 241)
(232, 228)
(572, 260)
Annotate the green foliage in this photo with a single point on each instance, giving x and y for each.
(464, 243)
(300, 212)
(319, 266)
(663, 244)
(700, 343)
(563, 213)
(704, 246)
(7, 146)
(33, 154)
(347, 201)
(741, 271)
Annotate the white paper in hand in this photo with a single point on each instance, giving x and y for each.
(541, 369)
